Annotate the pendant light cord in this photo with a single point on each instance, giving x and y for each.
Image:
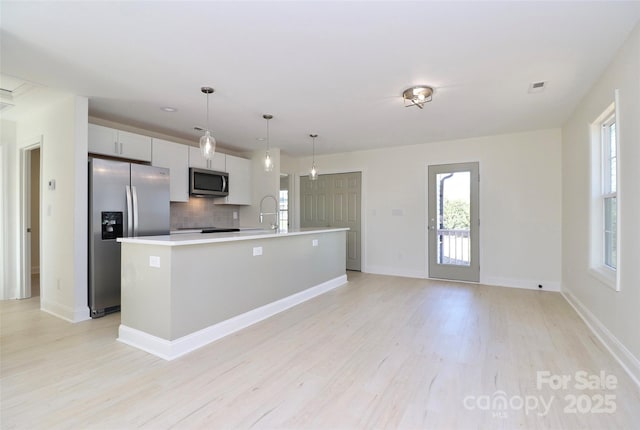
(267, 136)
(207, 111)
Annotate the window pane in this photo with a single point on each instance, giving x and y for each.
(610, 232)
(453, 207)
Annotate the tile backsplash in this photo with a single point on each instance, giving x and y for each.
(202, 212)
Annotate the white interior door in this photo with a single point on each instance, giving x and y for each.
(453, 222)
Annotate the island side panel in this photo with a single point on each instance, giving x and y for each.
(214, 282)
(146, 291)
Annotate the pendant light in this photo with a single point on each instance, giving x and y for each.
(313, 173)
(207, 142)
(268, 162)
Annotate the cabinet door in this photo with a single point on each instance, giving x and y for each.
(175, 157)
(239, 181)
(134, 146)
(218, 162)
(103, 140)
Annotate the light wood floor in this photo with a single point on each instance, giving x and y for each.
(380, 352)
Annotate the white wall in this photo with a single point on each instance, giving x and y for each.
(7, 149)
(61, 123)
(614, 315)
(519, 205)
(262, 184)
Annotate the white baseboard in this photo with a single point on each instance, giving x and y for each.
(495, 281)
(64, 312)
(526, 284)
(627, 360)
(393, 271)
(172, 349)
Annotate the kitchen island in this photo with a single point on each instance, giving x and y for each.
(183, 291)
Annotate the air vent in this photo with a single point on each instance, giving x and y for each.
(537, 87)
(6, 94)
(5, 106)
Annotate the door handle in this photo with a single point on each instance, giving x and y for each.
(135, 211)
(129, 213)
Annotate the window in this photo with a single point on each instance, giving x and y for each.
(284, 210)
(604, 207)
(609, 195)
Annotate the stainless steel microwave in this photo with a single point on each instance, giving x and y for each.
(203, 182)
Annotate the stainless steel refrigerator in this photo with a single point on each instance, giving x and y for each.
(125, 200)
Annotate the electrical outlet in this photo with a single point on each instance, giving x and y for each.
(257, 250)
(154, 261)
(235, 214)
(314, 242)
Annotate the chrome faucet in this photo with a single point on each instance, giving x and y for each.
(274, 226)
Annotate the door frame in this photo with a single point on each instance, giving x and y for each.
(24, 290)
(363, 219)
(473, 274)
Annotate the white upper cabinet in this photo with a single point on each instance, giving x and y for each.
(118, 143)
(239, 182)
(175, 157)
(217, 163)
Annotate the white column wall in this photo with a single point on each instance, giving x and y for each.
(61, 124)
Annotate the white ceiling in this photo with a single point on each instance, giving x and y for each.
(332, 68)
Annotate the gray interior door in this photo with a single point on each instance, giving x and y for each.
(453, 222)
(335, 201)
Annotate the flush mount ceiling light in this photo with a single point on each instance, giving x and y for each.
(169, 109)
(417, 96)
(313, 173)
(268, 162)
(207, 142)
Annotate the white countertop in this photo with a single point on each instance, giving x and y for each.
(203, 238)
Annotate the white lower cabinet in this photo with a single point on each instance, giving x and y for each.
(118, 143)
(239, 170)
(175, 157)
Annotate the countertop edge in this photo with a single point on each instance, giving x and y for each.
(190, 238)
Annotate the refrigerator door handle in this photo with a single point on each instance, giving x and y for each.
(129, 213)
(135, 211)
(224, 184)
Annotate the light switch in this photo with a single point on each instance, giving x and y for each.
(257, 250)
(235, 214)
(154, 261)
(314, 242)
(52, 184)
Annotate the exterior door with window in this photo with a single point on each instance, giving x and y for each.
(453, 222)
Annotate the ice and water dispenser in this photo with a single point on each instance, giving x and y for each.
(111, 225)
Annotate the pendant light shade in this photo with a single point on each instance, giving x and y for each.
(268, 162)
(313, 173)
(207, 142)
